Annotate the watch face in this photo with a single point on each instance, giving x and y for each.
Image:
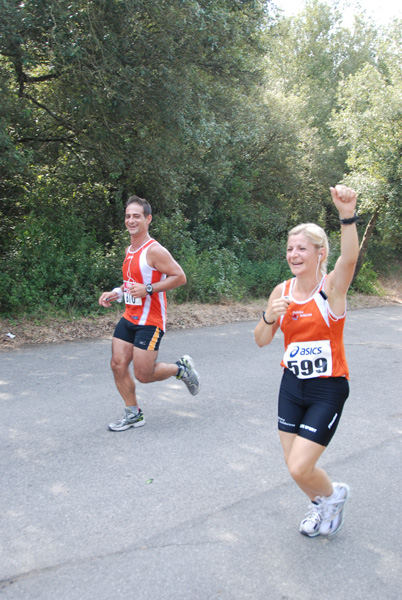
(149, 288)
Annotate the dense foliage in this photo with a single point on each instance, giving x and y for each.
(230, 119)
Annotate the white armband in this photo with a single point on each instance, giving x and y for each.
(119, 293)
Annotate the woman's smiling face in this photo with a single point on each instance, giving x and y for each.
(302, 255)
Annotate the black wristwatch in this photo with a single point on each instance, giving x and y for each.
(149, 289)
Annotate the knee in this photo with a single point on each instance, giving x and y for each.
(143, 376)
(299, 470)
(118, 367)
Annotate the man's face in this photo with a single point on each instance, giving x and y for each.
(135, 220)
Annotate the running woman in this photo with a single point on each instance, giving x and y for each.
(310, 310)
(149, 271)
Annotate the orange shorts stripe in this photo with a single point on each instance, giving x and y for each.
(154, 340)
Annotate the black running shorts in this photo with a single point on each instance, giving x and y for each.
(145, 337)
(311, 408)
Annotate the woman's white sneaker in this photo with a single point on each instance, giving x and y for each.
(335, 509)
(311, 523)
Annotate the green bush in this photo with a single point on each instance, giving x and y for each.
(260, 278)
(334, 240)
(172, 232)
(212, 272)
(212, 276)
(55, 264)
(367, 281)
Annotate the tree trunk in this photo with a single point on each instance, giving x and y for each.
(365, 242)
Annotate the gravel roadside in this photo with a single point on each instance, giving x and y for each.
(44, 330)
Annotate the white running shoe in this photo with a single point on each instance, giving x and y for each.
(311, 523)
(334, 509)
(188, 374)
(129, 420)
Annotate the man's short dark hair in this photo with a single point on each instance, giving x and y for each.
(142, 202)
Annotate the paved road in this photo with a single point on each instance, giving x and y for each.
(196, 505)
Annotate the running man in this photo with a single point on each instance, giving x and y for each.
(310, 310)
(149, 271)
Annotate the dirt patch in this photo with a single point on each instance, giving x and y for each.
(31, 330)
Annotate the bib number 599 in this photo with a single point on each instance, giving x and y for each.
(306, 368)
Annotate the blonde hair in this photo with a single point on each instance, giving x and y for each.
(318, 237)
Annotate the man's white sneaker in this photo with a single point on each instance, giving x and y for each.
(188, 374)
(129, 420)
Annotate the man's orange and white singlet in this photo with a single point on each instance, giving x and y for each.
(150, 310)
(313, 336)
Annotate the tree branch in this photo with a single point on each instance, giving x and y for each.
(46, 140)
(29, 79)
(51, 113)
(365, 242)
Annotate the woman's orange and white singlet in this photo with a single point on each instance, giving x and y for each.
(150, 310)
(313, 336)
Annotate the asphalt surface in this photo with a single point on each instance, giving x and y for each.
(198, 504)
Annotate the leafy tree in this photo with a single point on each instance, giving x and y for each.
(215, 111)
(369, 123)
(133, 91)
(309, 55)
(107, 98)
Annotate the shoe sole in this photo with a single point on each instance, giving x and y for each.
(189, 361)
(197, 390)
(310, 535)
(125, 427)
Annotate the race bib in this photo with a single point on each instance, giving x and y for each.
(309, 359)
(128, 299)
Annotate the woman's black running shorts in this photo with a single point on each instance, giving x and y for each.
(311, 408)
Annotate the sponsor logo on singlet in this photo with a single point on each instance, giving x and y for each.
(305, 351)
(300, 313)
